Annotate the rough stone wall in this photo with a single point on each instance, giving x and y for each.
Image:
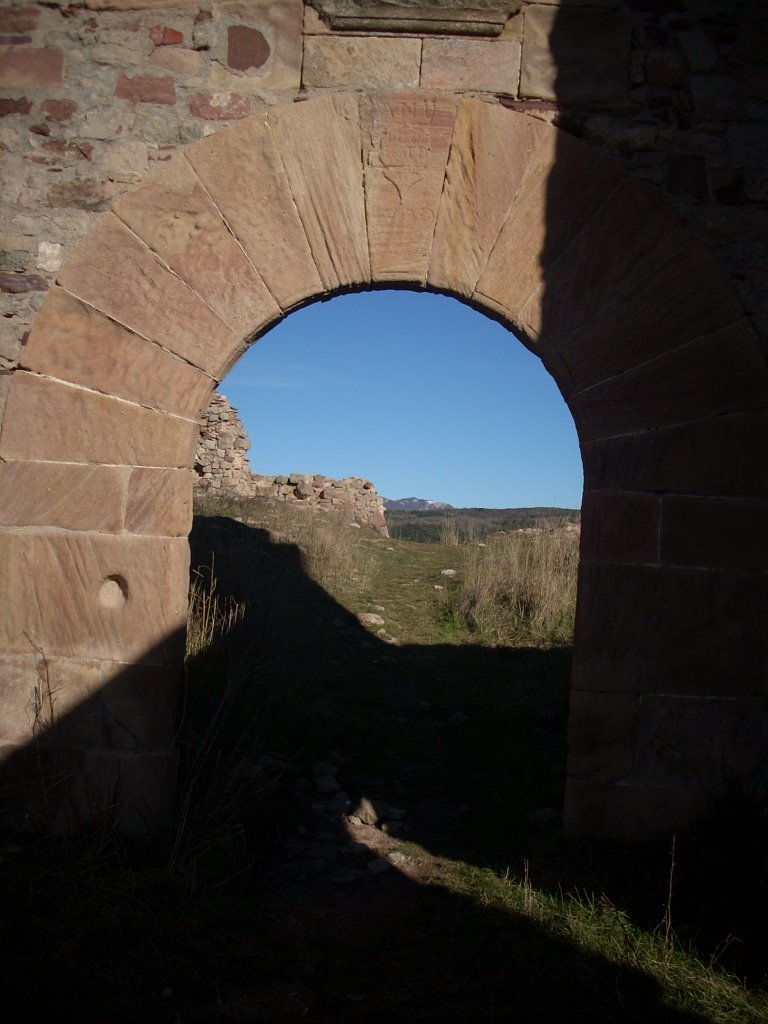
(93, 96)
(222, 466)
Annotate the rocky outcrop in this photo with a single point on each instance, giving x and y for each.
(222, 466)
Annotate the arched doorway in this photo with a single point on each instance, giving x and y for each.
(647, 343)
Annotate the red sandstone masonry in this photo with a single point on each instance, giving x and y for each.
(146, 89)
(31, 66)
(219, 106)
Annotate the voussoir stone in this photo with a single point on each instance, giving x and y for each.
(174, 215)
(406, 141)
(490, 153)
(75, 342)
(241, 170)
(117, 273)
(320, 149)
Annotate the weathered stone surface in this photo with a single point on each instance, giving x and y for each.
(74, 342)
(320, 149)
(64, 495)
(162, 35)
(174, 58)
(219, 106)
(146, 89)
(31, 66)
(490, 153)
(714, 533)
(48, 420)
(357, 62)
(470, 64)
(83, 193)
(19, 19)
(662, 623)
(686, 298)
(98, 703)
(601, 729)
(94, 596)
(721, 373)
(260, 44)
(629, 811)
(174, 215)
(700, 741)
(565, 183)
(242, 172)
(18, 106)
(406, 140)
(159, 502)
(475, 17)
(620, 526)
(115, 272)
(18, 284)
(246, 48)
(575, 55)
(627, 238)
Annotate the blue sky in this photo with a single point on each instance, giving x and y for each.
(415, 391)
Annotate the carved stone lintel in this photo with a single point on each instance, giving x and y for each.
(454, 17)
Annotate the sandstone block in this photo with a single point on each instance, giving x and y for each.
(162, 35)
(260, 43)
(700, 741)
(174, 215)
(490, 153)
(31, 66)
(714, 533)
(619, 526)
(17, 284)
(722, 457)
(87, 702)
(19, 106)
(360, 62)
(19, 19)
(242, 172)
(174, 58)
(471, 64)
(601, 728)
(320, 149)
(74, 342)
(564, 185)
(684, 299)
(406, 140)
(51, 421)
(575, 55)
(662, 621)
(159, 502)
(82, 193)
(146, 89)
(629, 812)
(115, 272)
(629, 236)
(64, 495)
(94, 596)
(219, 106)
(721, 373)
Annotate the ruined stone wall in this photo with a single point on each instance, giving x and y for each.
(94, 96)
(222, 466)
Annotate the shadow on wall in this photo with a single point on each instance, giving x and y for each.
(467, 740)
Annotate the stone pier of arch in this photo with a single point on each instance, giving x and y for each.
(647, 339)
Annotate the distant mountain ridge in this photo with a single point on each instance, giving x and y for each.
(413, 504)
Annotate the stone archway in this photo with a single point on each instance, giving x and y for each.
(649, 346)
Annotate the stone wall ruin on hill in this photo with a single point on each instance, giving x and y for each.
(222, 466)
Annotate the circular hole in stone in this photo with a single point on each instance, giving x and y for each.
(113, 592)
